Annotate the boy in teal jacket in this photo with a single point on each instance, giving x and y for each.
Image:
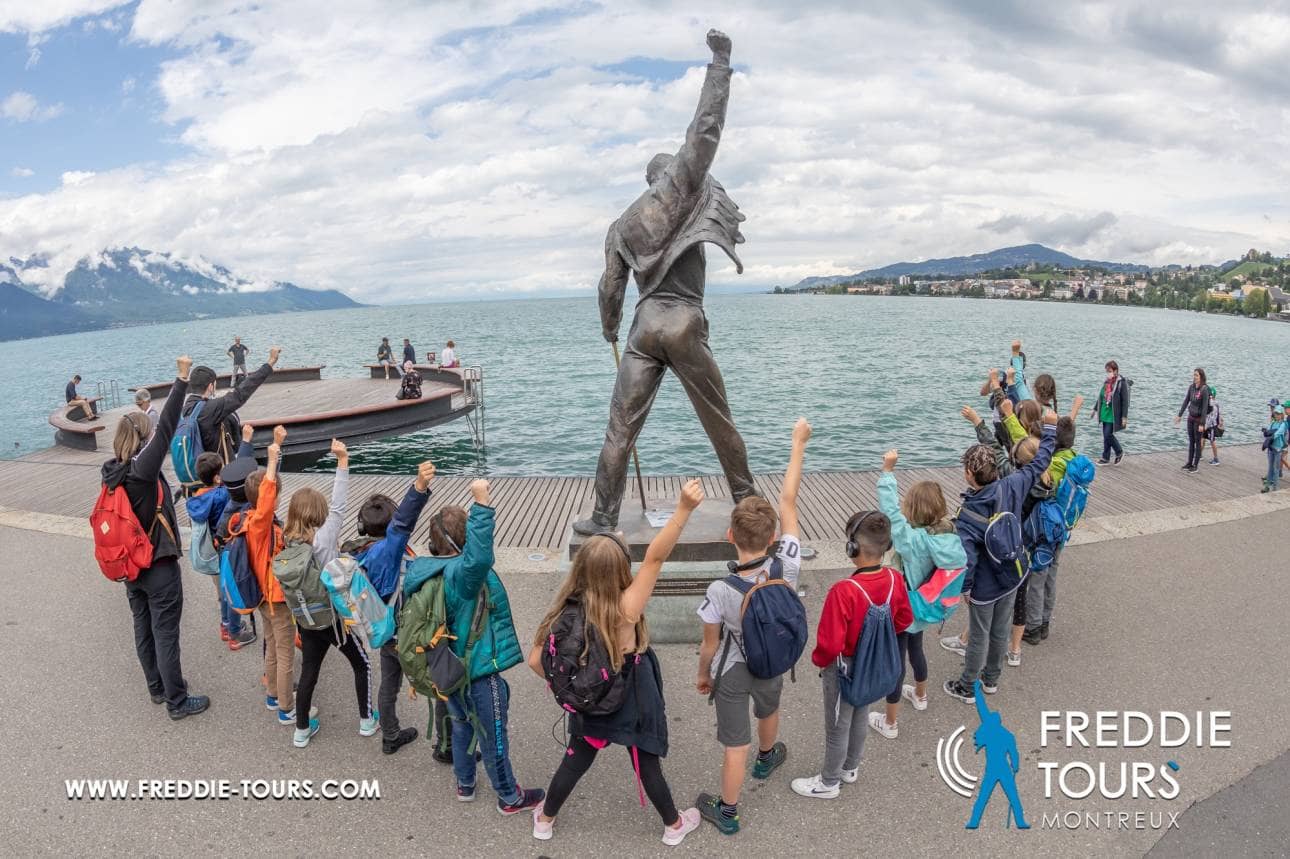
(462, 552)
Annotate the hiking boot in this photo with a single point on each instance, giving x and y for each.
(531, 798)
(443, 756)
(763, 768)
(192, 705)
(390, 745)
(954, 644)
(909, 693)
(465, 793)
(542, 829)
(955, 689)
(369, 726)
(815, 788)
(1043, 632)
(1032, 635)
(689, 820)
(304, 735)
(1014, 658)
(878, 721)
(242, 639)
(592, 526)
(709, 807)
(157, 697)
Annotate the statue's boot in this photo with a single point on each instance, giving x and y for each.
(598, 523)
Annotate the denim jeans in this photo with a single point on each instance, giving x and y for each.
(230, 619)
(988, 629)
(1274, 467)
(1110, 442)
(490, 697)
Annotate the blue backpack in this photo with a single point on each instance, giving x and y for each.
(202, 553)
(1072, 492)
(875, 665)
(236, 578)
(772, 624)
(1003, 538)
(1049, 525)
(186, 446)
(357, 602)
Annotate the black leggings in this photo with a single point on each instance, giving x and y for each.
(578, 759)
(314, 644)
(1195, 440)
(910, 643)
(1019, 604)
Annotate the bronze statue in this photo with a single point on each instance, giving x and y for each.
(660, 239)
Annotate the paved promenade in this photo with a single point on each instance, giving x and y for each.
(1168, 621)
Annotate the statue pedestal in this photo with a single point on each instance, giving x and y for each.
(703, 540)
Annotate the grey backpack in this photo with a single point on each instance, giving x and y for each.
(301, 580)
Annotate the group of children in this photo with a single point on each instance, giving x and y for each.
(896, 550)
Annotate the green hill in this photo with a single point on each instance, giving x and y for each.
(1249, 269)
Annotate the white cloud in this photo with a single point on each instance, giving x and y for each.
(394, 153)
(21, 106)
(26, 16)
(22, 172)
(128, 85)
(76, 177)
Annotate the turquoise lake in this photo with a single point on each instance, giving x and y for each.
(869, 372)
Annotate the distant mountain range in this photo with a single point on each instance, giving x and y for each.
(1015, 257)
(131, 286)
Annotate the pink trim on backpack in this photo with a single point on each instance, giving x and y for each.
(636, 765)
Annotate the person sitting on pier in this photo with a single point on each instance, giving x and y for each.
(75, 400)
(411, 387)
(448, 360)
(385, 357)
(218, 422)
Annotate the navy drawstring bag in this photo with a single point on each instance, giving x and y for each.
(875, 666)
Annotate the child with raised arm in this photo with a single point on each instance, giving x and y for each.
(263, 541)
(725, 675)
(601, 580)
(924, 537)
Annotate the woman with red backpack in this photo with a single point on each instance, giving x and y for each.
(154, 588)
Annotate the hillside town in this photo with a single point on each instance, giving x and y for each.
(1257, 285)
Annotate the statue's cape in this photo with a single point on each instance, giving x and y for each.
(650, 240)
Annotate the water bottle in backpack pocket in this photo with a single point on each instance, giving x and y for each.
(236, 578)
(300, 578)
(875, 666)
(186, 446)
(356, 600)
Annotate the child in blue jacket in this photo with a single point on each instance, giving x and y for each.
(1275, 438)
(462, 552)
(384, 532)
(991, 586)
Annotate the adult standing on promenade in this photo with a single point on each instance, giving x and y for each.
(1196, 407)
(1112, 411)
(218, 422)
(238, 353)
(156, 595)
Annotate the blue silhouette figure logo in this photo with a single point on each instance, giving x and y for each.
(1001, 763)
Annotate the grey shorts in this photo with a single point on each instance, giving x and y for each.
(737, 686)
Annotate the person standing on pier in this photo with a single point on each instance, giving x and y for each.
(409, 353)
(238, 353)
(218, 422)
(156, 595)
(1112, 412)
(1196, 407)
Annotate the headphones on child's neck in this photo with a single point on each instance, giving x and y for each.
(853, 548)
(736, 568)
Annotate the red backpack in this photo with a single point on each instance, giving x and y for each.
(121, 546)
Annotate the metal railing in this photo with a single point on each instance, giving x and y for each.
(109, 394)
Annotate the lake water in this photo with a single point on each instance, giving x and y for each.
(869, 372)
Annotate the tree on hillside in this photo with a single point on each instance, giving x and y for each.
(1257, 303)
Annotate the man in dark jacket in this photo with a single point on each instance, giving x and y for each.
(218, 423)
(156, 596)
(409, 353)
(991, 585)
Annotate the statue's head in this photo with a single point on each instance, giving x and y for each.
(657, 165)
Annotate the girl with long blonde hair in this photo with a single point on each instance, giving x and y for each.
(613, 603)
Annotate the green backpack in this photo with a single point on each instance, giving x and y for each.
(425, 641)
(301, 580)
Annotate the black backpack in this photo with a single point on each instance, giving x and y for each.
(587, 685)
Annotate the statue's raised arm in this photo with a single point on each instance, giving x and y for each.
(693, 160)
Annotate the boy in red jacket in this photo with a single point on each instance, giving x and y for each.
(841, 621)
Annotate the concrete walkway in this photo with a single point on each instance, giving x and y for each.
(1168, 621)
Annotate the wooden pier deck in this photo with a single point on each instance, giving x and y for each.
(534, 512)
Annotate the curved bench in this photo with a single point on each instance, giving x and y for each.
(159, 390)
(73, 433)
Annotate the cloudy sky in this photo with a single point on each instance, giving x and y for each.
(420, 150)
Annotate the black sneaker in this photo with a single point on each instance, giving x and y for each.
(192, 705)
(530, 798)
(443, 756)
(955, 689)
(1104, 461)
(390, 745)
(1118, 457)
(1043, 632)
(1032, 635)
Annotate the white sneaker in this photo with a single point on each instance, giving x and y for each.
(690, 821)
(1014, 658)
(988, 688)
(878, 721)
(814, 787)
(907, 692)
(542, 831)
(953, 644)
(851, 776)
(368, 727)
(302, 736)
